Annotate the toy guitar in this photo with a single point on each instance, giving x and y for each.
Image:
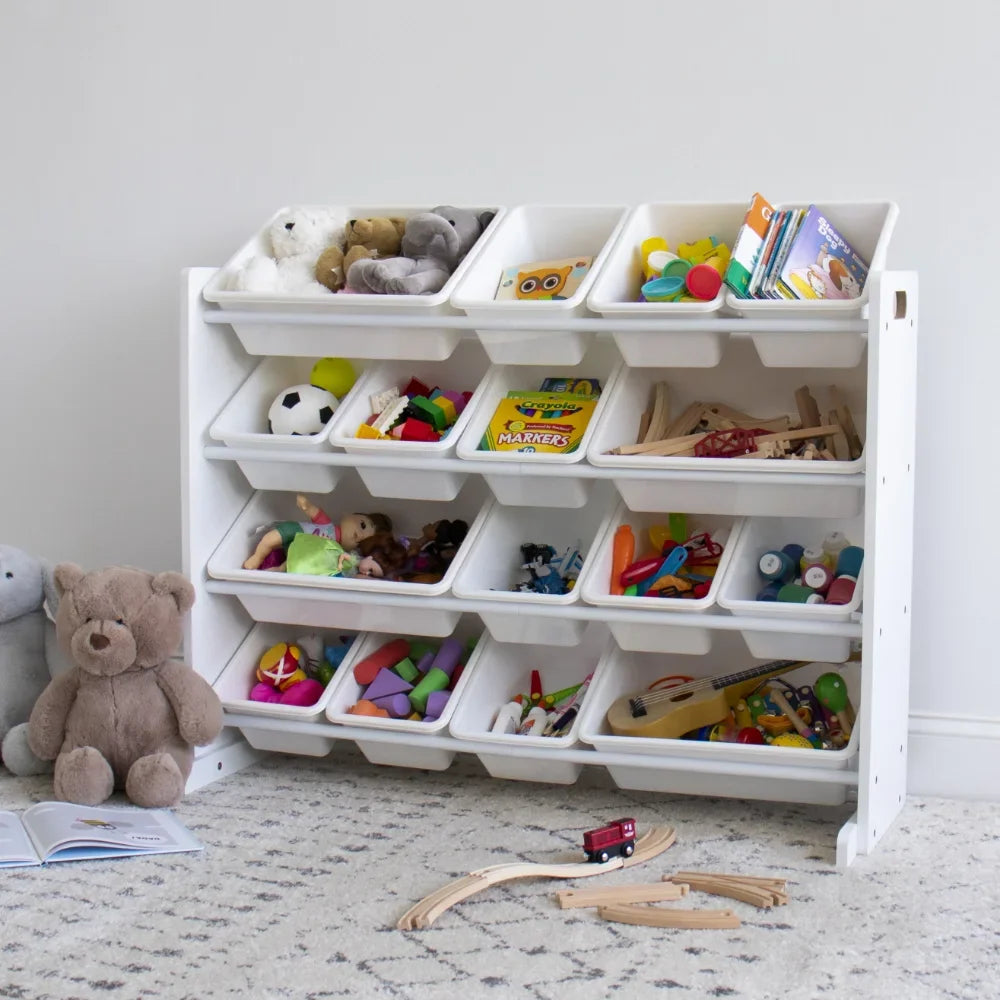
(669, 713)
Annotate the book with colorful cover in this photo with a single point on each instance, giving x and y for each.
(61, 831)
(766, 254)
(746, 248)
(821, 264)
(539, 422)
(791, 227)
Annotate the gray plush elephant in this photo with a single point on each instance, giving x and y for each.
(433, 245)
(29, 654)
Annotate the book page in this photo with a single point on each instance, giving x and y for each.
(15, 846)
(53, 826)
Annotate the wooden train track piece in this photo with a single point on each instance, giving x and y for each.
(423, 913)
(762, 892)
(654, 916)
(659, 419)
(656, 892)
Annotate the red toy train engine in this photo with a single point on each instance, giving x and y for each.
(617, 838)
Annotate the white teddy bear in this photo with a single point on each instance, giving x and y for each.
(297, 237)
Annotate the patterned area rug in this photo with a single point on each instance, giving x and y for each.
(309, 863)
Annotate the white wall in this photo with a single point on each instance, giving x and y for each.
(139, 138)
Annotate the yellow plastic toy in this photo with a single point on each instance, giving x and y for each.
(655, 255)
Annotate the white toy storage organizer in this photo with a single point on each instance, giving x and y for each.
(870, 353)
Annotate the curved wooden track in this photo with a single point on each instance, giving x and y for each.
(422, 914)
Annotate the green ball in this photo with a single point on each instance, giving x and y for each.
(336, 375)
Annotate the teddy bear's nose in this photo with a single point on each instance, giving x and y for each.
(289, 226)
(99, 641)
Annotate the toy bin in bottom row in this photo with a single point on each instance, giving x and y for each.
(651, 559)
(562, 679)
(668, 714)
(526, 560)
(428, 404)
(406, 684)
(286, 672)
(305, 417)
(505, 434)
(804, 571)
(355, 602)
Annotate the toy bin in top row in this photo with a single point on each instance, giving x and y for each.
(867, 228)
(460, 375)
(505, 671)
(680, 766)
(338, 650)
(739, 484)
(616, 290)
(243, 423)
(353, 602)
(600, 366)
(650, 627)
(540, 251)
(439, 672)
(495, 564)
(762, 549)
(294, 323)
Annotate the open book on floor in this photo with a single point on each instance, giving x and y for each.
(61, 831)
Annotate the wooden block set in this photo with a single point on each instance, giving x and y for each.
(716, 430)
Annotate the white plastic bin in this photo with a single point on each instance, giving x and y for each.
(630, 673)
(494, 566)
(338, 602)
(868, 227)
(743, 583)
(285, 336)
(408, 753)
(616, 290)
(529, 234)
(464, 371)
(504, 671)
(601, 361)
(242, 423)
(656, 635)
(721, 485)
(239, 676)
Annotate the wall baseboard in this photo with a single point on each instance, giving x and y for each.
(953, 756)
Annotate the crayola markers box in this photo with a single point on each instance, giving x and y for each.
(539, 421)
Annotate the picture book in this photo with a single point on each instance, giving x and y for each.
(539, 421)
(821, 264)
(544, 279)
(60, 831)
(766, 254)
(748, 243)
(793, 219)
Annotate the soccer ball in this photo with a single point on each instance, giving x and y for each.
(301, 409)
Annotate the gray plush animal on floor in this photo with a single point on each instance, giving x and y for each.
(29, 654)
(433, 245)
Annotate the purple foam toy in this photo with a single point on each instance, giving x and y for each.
(397, 705)
(387, 682)
(436, 702)
(448, 656)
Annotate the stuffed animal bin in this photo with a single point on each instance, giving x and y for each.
(125, 715)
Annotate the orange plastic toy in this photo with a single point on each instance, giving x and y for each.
(622, 556)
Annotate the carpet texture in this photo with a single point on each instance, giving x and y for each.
(308, 864)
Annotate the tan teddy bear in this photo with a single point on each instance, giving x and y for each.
(367, 239)
(124, 715)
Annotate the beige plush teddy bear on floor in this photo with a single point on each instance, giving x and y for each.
(125, 715)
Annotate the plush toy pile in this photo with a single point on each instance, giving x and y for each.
(315, 252)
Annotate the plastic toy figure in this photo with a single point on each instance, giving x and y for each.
(350, 532)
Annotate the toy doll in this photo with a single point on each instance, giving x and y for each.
(349, 533)
(382, 556)
(320, 555)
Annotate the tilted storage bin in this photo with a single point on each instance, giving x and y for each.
(243, 423)
(719, 485)
(630, 673)
(867, 227)
(494, 561)
(743, 583)
(615, 294)
(464, 370)
(292, 336)
(658, 635)
(504, 671)
(234, 684)
(339, 602)
(346, 692)
(601, 361)
(528, 234)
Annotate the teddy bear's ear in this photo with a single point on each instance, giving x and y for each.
(177, 586)
(485, 218)
(67, 576)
